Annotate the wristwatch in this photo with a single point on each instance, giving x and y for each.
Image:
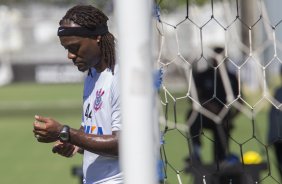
(64, 135)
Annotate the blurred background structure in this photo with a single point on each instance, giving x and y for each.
(29, 47)
(28, 27)
(32, 64)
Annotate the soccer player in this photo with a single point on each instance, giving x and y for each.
(83, 32)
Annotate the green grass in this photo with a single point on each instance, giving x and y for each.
(25, 160)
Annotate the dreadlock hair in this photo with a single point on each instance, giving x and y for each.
(90, 17)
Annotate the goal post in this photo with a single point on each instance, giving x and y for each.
(134, 53)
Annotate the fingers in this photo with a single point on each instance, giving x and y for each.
(55, 149)
(44, 139)
(39, 123)
(64, 149)
(39, 126)
(69, 153)
(41, 139)
(58, 143)
(40, 133)
(42, 136)
(40, 118)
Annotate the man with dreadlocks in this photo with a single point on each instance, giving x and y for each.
(83, 32)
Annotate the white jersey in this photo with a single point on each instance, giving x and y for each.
(101, 116)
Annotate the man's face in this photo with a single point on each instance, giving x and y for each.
(84, 52)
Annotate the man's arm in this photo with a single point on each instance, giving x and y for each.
(47, 130)
(106, 145)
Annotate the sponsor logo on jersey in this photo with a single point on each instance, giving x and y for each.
(90, 129)
(98, 100)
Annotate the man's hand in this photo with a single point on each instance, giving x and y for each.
(65, 149)
(46, 129)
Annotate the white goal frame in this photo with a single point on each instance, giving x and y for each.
(134, 31)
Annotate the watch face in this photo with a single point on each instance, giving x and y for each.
(65, 133)
(64, 136)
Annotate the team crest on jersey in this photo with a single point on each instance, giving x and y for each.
(98, 101)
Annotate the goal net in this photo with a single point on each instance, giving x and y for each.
(221, 62)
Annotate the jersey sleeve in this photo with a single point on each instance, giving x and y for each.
(115, 103)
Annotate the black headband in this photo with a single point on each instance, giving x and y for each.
(82, 31)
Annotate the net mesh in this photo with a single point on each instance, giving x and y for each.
(221, 63)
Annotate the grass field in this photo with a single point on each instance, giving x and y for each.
(24, 160)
